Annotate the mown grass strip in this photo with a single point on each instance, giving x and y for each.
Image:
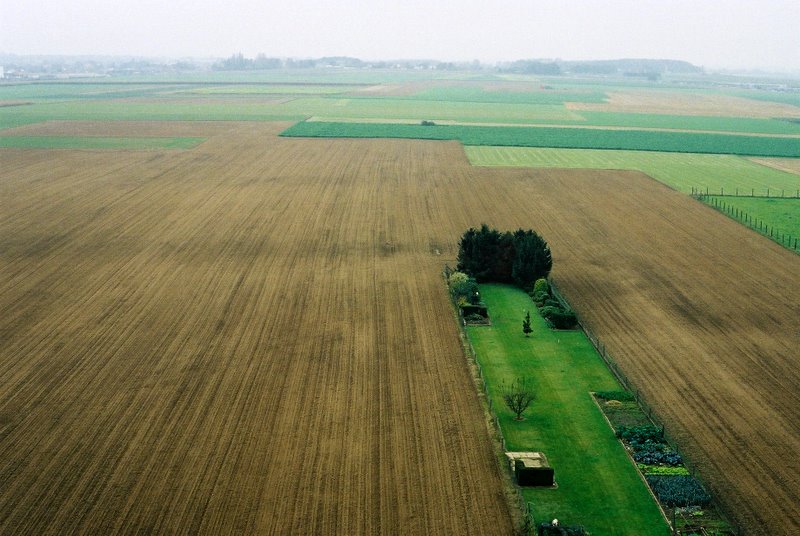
(73, 142)
(575, 138)
(681, 171)
(109, 110)
(598, 486)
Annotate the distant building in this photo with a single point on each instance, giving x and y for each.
(2, 73)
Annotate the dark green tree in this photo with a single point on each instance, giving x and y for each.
(526, 324)
(532, 258)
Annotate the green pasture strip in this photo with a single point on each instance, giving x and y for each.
(598, 486)
(44, 92)
(577, 138)
(73, 142)
(692, 122)
(680, 171)
(477, 94)
(391, 108)
(774, 217)
(792, 98)
(105, 110)
(267, 89)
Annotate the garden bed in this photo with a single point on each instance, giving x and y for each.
(681, 496)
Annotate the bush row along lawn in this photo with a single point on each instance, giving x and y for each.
(575, 138)
(70, 142)
(782, 215)
(680, 171)
(598, 486)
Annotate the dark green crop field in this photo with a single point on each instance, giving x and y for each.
(568, 138)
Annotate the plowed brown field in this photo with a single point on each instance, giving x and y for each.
(252, 336)
(249, 338)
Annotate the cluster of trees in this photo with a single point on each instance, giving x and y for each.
(237, 62)
(520, 257)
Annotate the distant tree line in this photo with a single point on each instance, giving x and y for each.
(629, 67)
(520, 257)
(238, 62)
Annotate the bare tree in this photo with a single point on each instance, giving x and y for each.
(518, 397)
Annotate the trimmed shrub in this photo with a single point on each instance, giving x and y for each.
(475, 317)
(552, 302)
(622, 396)
(463, 288)
(548, 310)
(539, 298)
(563, 319)
(546, 529)
(678, 490)
(541, 285)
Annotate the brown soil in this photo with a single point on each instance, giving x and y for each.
(253, 337)
(668, 102)
(133, 129)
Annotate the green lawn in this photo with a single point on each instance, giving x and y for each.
(73, 142)
(681, 171)
(598, 486)
(575, 138)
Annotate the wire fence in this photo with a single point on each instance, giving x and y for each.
(646, 408)
(771, 193)
(757, 224)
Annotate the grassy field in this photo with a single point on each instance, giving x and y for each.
(482, 94)
(598, 486)
(690, 122)
(681, 171)
(782, 215)
(579, 138)
(269, 89)
(71, 142)
(156, 110)
(403, 109)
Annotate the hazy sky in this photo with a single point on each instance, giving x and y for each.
(725, 33)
